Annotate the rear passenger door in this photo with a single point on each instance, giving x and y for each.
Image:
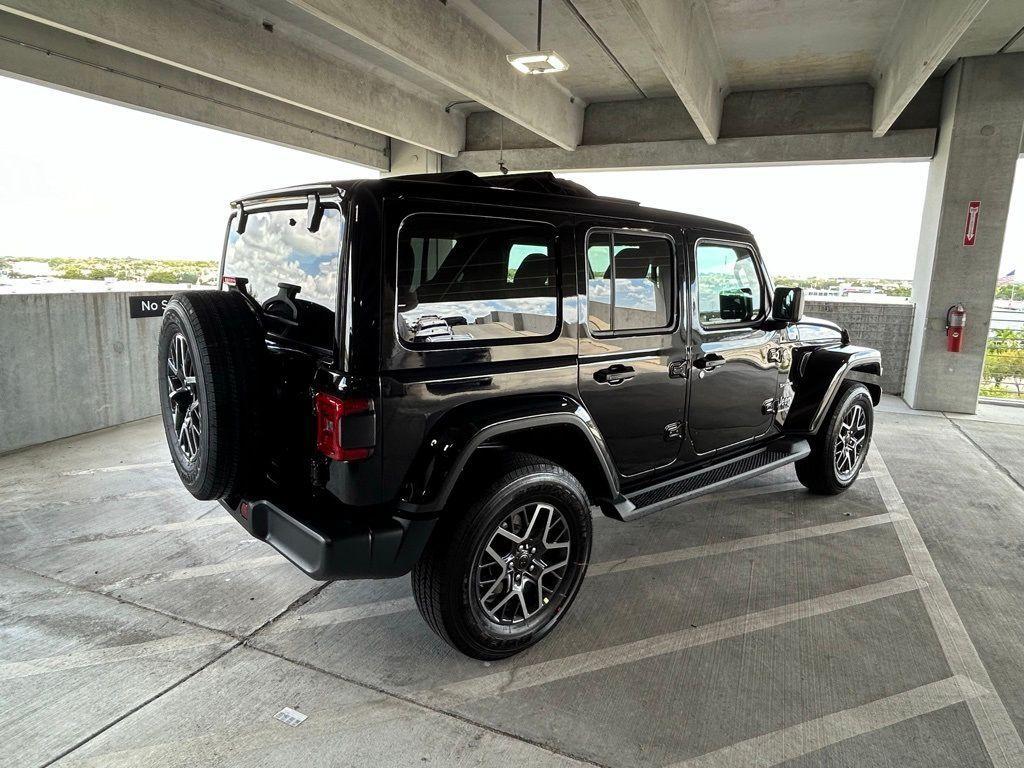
(632, 354)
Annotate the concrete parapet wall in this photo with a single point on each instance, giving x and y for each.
(72, 363)
(885, 326)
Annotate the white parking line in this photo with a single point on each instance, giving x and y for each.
(1002, 742)
(117, 468)
(541, 673)
(810, 736)
(348, 613)
(738, 545)
(195, 572)
(117, 653)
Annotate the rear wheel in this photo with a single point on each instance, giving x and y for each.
(497, 578)
(210, 365)
(838, 451)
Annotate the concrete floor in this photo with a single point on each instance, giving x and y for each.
(759, 626)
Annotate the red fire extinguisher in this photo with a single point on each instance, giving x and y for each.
(956, 318)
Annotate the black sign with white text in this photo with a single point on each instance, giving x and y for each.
(148, 306)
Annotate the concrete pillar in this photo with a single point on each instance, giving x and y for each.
(979, 142)
(408, 159)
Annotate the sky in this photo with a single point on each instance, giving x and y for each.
(848, 220)
(83, 178)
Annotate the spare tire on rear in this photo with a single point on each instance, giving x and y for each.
(211, 376)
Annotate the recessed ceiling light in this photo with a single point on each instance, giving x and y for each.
(537, 62)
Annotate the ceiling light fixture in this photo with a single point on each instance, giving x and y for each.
(538, 62)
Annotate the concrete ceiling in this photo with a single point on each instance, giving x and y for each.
(392, 66)
(765, 44)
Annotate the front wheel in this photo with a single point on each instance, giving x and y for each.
(839, 449)
(498, 577)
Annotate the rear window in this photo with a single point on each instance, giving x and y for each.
(277, 247)
(473, 280)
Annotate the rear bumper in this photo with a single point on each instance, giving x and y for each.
(337, 548)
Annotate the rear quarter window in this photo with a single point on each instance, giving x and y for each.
(475, 280)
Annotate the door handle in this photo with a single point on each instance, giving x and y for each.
(708, 363)
(614, 375)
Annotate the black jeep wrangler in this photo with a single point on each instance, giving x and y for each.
(446, 374)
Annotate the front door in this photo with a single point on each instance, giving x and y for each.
(631, 352)
(735, 358)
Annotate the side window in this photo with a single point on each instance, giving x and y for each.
(630, 282)
(728, 286)
(469, 279)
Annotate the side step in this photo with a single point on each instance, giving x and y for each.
(708, 479)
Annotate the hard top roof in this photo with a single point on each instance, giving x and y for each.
(530, 190)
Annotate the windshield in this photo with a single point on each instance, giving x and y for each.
(277, 247)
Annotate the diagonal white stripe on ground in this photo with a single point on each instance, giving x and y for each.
(366, 610)
(117, 653)
(737, 545)
(196, 571)
(518, 678)
(998, 733)
(810, 736)
(117, 468)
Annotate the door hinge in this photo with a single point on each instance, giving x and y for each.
(769, 406)
(774, 354)
(679, 369)
(673, 430)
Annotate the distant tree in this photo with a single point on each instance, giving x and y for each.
(1004, 364)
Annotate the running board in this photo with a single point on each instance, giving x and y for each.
(686, 487)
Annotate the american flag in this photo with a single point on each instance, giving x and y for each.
(1009, 277)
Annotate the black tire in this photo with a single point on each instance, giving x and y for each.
(225, 343)
(819, 472)
(443, 580)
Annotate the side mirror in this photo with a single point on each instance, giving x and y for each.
(788, 305)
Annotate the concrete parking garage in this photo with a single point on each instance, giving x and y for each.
(758, 626)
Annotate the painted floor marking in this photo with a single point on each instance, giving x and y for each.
(810, 736)
(1001, 739)
(118, 653)
(738, 545)
(196, 571)
(541, 673)
(348, 613)
(117, 468)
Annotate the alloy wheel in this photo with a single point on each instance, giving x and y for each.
(848, 450)
(523, 564)
(183, 397)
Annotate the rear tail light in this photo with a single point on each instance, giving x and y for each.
(345, 427)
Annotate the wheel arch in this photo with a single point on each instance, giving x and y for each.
(559, 429)
(817, 376)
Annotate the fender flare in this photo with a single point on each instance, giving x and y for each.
(450, 446)
(817, 375)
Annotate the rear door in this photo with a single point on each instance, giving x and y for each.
(632, 353)
(735, 363)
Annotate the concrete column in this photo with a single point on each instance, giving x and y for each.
(408, 159)
(979, 143)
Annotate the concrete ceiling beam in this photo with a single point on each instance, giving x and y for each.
(924, 33)
(445, 45)
(916, 144)
(241, 53)
(68, 62)
(682, 39)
